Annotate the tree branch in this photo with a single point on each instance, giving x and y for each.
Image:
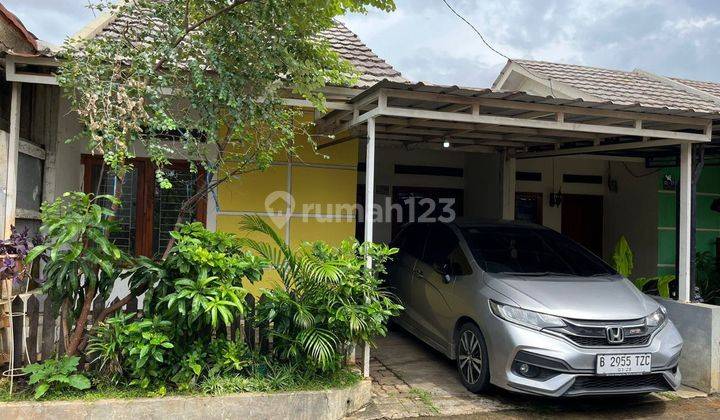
(198, 24)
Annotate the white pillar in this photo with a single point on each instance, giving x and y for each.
(508, 188)
(12, 160)
(369, 202)
(684, 250)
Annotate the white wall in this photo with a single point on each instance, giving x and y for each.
(552, 170)
(69, 171)
(386, 157)
(631, 211)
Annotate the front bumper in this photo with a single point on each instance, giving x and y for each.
(569, 370)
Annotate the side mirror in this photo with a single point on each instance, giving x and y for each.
(445, 271)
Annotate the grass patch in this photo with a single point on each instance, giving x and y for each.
(425, 398)
(225, 385)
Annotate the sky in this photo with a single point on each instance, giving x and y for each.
(426, 42)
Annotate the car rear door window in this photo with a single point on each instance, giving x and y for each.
(412, 239)
(443, 250)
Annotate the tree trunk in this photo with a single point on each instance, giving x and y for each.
(64, 322)
(81, 323)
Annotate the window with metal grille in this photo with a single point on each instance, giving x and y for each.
(148, 213)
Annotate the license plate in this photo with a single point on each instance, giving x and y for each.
(623, 364)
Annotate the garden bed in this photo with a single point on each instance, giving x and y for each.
(316, 404)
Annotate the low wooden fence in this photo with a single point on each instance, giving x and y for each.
(37, 330)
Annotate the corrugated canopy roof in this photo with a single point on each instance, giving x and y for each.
(486, 93)
(477, 119)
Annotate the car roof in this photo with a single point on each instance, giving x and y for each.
(462, 222)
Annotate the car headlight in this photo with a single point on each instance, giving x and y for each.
(535, 320)
(657, 318)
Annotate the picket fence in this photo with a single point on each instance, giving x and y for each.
(37, 333)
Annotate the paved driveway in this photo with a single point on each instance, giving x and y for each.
(411, 380)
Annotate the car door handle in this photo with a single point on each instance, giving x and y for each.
(419, 273)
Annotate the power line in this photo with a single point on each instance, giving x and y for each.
(493, 49)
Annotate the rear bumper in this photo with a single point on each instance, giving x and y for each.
(567, 369)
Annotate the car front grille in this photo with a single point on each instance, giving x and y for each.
(594, 333)
(602, 341)
(629, 384)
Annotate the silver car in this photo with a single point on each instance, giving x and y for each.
(529, 310)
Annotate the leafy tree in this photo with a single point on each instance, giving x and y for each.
(82, 262)
(204, 82)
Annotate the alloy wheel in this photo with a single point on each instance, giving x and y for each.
(470, 356)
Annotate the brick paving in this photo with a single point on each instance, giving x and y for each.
(412, 380)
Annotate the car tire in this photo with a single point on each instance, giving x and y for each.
(472, 358)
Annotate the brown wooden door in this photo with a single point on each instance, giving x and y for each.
(582, 220)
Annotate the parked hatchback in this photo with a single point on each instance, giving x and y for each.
(527, 309)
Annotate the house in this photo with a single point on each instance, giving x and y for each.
(652, 234)
(550, 153)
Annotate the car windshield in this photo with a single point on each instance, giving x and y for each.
(531, 251)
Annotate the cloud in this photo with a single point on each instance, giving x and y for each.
(51, 20)
(425, 41)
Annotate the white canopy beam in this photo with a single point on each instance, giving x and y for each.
(508, 187)
(684, 226)
(527, 123)
(368, 220)
(601, 148)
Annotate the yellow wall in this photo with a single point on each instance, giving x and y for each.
(323, 186)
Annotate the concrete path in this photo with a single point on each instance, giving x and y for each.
(412, 380)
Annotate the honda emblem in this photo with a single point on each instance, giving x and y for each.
(615, 335)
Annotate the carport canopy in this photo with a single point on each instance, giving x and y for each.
(520, 126)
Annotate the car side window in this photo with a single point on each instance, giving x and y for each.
(443, 249)
(459, 264)
(412, 239)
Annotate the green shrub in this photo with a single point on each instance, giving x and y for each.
(200, 287)
(56, 374)
(140, 350)
(330, 299)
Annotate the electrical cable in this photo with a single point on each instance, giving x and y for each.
(482, 38)
(627, 168)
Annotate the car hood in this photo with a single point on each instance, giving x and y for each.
(585, 298)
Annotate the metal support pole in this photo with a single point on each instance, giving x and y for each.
(10, 186)
(684, 224)
(508, 185)
(369, 203)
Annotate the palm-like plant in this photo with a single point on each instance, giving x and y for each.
(330, 298)
(207, 298)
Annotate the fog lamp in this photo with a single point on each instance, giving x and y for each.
(524, 368)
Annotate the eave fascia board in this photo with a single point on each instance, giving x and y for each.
(11, 74)
(553, 86)
(95, 26)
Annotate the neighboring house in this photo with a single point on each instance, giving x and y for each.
(652, 235)
(30, 152)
